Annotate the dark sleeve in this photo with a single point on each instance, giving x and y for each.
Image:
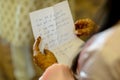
(113, 14)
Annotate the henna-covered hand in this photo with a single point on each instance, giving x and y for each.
(85, 28)
(43, 60)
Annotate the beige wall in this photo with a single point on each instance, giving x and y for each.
(15, 29)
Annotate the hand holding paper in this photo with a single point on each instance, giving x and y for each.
(43, 60)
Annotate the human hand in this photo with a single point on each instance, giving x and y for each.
(57, 72)
(84, 28)
(43, 60)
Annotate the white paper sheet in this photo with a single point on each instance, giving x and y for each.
(56, 27)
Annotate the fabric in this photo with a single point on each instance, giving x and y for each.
(100, 58)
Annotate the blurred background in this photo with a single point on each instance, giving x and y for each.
(16, 37)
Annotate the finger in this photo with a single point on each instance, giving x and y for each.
(36, 44)
(46, 51)
(78, 32)
(77, 24)
(82, 23)
(51, 55)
